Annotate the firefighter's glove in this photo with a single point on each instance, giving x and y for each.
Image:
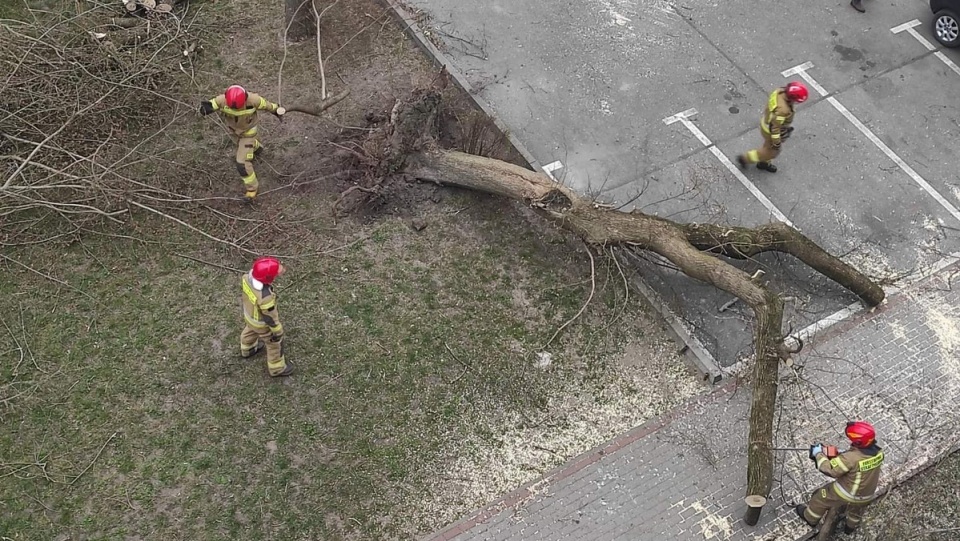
(787, 132)
(815, 450)
(206, 108)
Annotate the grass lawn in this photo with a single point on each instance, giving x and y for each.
(128, 413)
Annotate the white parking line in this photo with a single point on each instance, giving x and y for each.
(684, 118)
(801, 70)
(909, 28)
(551, 167)
(808, 333)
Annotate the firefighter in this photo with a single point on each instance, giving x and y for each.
(856, 473)
(775, 125)
(262, 327)
(239, 111)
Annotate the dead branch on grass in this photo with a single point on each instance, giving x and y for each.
(94, 460)
(593, 288)
(193, 228)
(317, 16)
(378, 18)
(69, 100)
(214, 265)
(47, 276)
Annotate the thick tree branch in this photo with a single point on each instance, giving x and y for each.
(408, 146)
(688, 246)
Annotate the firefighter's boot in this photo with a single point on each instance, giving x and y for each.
(287, 370)
(858, 5)
(256, 348)
(847, 529)
(801, 512)
(742, 161)
(767, 166)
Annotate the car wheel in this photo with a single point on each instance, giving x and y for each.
(946, 28)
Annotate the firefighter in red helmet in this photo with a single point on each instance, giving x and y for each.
(856, 474)
(239, 111)
(775, 125)
(262, 327)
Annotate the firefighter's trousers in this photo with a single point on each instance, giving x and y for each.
(247, 146)
(765, 153)
(248, 342)
(826, 498)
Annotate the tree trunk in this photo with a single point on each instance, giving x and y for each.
(298, 20)
(408, 146)
(688, 246)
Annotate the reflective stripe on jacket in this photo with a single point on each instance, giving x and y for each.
(857, 473)
(242, 120)
(777, 114)
(260, 306)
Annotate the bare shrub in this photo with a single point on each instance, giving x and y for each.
(76, 87)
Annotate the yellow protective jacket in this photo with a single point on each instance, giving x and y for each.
(777, 115)
(260, 307)
(857, 472)
(242, 120)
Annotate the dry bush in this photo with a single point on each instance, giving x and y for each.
(77, 89)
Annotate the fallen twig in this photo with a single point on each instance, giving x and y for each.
(593, 287)
(943, 530)
(48, 277)
(345, 246)
(95, 457)
(317, 16)
(217, 265)
(454, 355)
(192, 228)
(283, 59)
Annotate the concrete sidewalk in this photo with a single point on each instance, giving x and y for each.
(682, 476)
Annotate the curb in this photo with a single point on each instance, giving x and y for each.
(693, 350)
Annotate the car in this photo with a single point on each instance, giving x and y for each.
(946, 23)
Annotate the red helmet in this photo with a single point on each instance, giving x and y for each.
(266, 269)
(861, 433)
(236, 97)
(797, 91)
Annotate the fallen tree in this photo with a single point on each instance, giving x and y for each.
(408, 145)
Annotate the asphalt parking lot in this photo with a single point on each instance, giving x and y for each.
(646, 104)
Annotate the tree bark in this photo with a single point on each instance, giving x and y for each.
(318, 110)
(688, 246)
(408, 145)
(298, 20)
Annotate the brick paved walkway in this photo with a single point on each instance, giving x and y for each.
(682, 476)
